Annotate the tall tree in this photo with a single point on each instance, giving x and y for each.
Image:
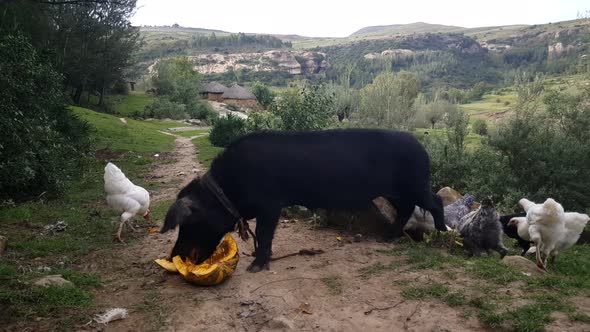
(388, 101)
(90, 42)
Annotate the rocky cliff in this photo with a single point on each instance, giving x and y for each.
(293, 62)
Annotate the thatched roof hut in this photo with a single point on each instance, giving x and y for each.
(214, 87)
(214, 90)
(239, 95)
(238, 92)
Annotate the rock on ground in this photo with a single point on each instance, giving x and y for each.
(524, 265)
(52, 280)
(449, 195)
(281, 323)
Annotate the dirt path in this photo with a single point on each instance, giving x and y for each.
(178, 173)
(324, 292)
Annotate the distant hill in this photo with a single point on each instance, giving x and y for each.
(179, 29)
(441, 55)
(396, 29)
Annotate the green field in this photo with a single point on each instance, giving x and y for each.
(492, 106)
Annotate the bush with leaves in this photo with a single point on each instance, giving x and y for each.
(41, 141)
(264, 95)
(261, 121)
(178, 88)
(535, 153)
(311, 108)
(480, 127)
(457, 122)
(476, 93)
(547, 152)
(164, 108)
(226, 130)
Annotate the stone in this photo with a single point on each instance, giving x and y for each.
(52, 280)
(449, 195)
(358, 237)
(281, 323)
(526, 266)
(3, 244)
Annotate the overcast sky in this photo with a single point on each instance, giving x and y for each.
(319, 18)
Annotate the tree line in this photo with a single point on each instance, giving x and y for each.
(90, 42)
(51, 52)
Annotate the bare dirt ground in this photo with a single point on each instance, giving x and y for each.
(323, 292)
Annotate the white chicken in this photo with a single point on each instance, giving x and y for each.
(125, 197)
(574, 226)
(522, 227)
(546, 227)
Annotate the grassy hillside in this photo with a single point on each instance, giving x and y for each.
(127, 105)
(404, 29)
(138, 136)
(90, 226)
(169, 41)
(491, 106)
(497, 105)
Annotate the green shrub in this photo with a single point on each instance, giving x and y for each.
(202, 111)
(226, 130)
(480, 127)
(534, 153)
(309, 109)
(41, 142)
(259, 121)
(165, 108)
(264, 95)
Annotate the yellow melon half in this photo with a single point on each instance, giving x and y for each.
(213, 270)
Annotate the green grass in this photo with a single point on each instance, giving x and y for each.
(334, 284)
(191, 133)
(137, 136)
(490, 106)
(206, 151)
(91, 225)
(377, 269)
(486, 295)
(128, 105)
(434, 290)
(24, 301)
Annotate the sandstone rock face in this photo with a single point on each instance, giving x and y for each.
(558, 49)
(275, 60)
(389, 53)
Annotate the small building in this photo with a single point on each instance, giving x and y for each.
(239, 96)
(214, 91)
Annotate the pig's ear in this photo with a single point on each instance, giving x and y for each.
(183, 211)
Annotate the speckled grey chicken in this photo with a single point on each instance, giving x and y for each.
(481, 230)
